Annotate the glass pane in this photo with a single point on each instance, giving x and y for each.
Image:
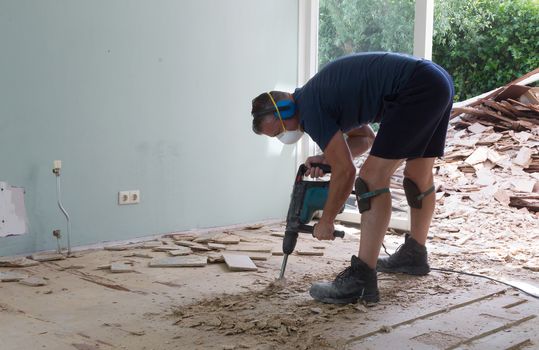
(348, 26)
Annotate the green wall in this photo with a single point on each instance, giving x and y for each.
(148, 95)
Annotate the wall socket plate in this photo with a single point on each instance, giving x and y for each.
(128, 197)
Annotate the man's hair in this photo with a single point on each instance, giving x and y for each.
(263, 102)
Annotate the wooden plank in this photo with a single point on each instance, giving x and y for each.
(239, 263)
(531, 204)
(511, 91)
(500, 108)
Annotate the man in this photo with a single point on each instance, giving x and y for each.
(412, 99)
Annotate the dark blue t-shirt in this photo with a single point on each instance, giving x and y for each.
(349, 92)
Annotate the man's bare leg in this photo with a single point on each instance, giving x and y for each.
(376, 173)
(411, 258)
(419, 170)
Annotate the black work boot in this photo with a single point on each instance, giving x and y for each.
(410, 258)
(358, 281)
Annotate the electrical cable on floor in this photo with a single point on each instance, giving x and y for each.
(487, 277)
(474, 275)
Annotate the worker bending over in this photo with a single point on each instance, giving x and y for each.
(411, 98)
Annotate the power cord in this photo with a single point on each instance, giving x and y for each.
(476, 275)
(488, 278)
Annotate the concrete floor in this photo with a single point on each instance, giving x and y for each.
(210, 307)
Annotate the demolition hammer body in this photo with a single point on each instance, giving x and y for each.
(307, 198)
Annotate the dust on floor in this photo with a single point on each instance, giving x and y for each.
(86, 306)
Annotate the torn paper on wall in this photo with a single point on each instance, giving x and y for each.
(13, 218)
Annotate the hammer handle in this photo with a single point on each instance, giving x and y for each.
(325, 167)
(303, 168)
(310, 229)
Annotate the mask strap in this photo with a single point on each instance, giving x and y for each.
(277, 109)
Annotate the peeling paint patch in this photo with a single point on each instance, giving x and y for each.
(13, 218)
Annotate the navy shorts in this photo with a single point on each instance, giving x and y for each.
(413, 122)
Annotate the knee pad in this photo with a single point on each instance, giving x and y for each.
(413, 195)
(363, 195)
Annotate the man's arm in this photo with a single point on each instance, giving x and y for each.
(359, 141)
(343, 172)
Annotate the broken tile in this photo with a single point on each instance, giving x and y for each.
(313, 252)
(205, 237)
(193, 245)
(251, 248)
(215, 258)
(522, 185)
(252, 255)
(253, 227)
(164, 248)
(484, 177)
(248, 239)
(138, 255)
(120, 267)
(120, 247)
(180, 261)
(17, 262)
(477, 128)
(146, 245)
(478, 156)
(183, 236)
(523, 157)
(12, 276)
(216, 246)
(239, 263)
(180, 251)
(34, 281)
(502, 196)
(226, 239)
(47, 257)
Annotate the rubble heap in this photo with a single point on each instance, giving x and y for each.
(492, 148)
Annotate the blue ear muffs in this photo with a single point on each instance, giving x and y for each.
(287, 108)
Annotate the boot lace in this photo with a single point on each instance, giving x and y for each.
(396, 250)
(344, 274)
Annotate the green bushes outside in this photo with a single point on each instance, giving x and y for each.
(483, 44)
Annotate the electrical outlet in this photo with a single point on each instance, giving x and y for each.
(129, 197)
(134, 196)
(123, 197)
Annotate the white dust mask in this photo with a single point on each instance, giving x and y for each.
(289, 137)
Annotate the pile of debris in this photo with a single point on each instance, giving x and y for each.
(488, 194)
(492, 147)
